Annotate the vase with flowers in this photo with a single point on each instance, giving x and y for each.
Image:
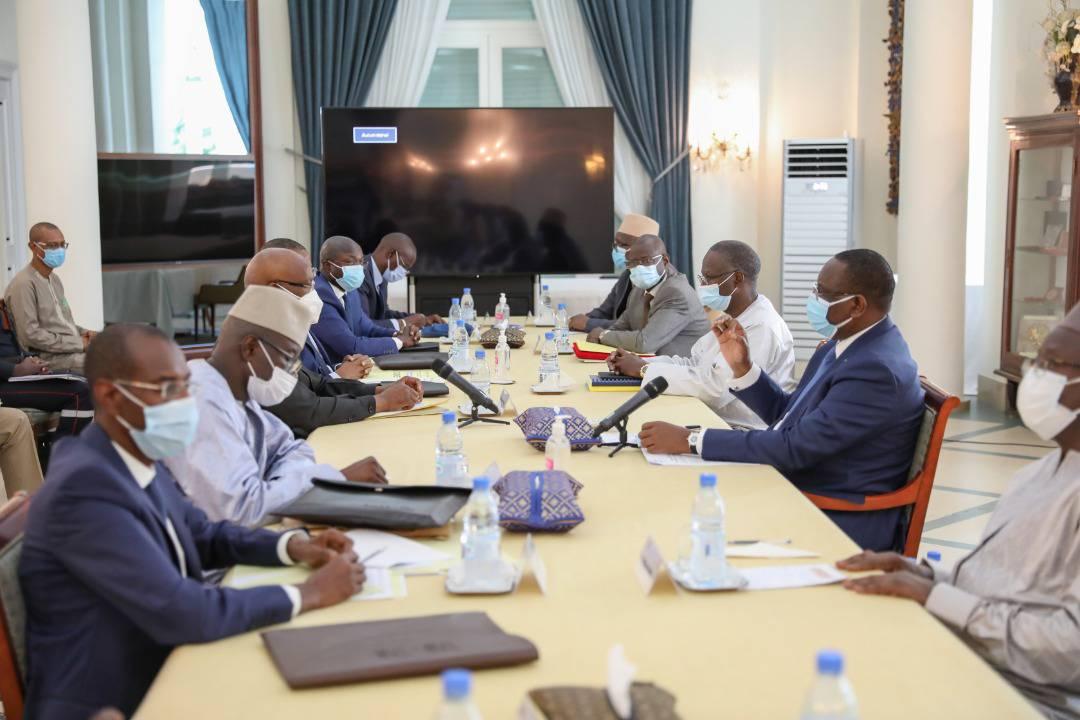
(1062, 48)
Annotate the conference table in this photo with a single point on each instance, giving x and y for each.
(747, 654)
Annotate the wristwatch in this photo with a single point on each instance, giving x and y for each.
(694, 440)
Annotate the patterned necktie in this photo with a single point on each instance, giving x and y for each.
(647, 305)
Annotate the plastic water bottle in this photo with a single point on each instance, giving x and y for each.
(545, 303)
(468, 307)
(459, 350)
(481, 376)
(557, 447)
(451, 468)
(502, 313)
(457, 701)
(708, 541)
(562, 329)
(502, 359)
(455, 312)
(480, 536)
(831, 696)
(549, 361)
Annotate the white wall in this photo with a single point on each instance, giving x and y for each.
(8, 44)
(59, 143)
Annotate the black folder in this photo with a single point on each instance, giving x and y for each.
(387, 507)
(410, 361)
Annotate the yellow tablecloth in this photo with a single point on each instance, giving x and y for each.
(743, 655)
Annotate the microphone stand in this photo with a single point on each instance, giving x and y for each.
(623, 442)
(475, 418)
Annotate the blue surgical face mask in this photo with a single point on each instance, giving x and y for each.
(352, 276)
(618, 258)
(645, 276)
(169, 427)
(53, 257)
(398, 272)
(817, 312)
(711, 298)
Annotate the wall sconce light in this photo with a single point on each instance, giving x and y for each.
(723, 118)
(708, 156)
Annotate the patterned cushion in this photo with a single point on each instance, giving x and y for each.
(11, 598)
(535, 424)
(538, 501)
(514, 338)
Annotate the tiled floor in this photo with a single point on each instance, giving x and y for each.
(983, 449)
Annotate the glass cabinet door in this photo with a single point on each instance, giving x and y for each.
(1040, 261)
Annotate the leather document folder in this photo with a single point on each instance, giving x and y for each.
(410, 361)
(384, 649)
(421, 347)
(387, 507)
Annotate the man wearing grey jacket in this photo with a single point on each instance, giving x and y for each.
(663, 314)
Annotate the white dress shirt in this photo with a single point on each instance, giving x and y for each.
(144, 474)
(340, 295)
(706, 374)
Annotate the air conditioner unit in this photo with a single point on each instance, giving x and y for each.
(818, 222)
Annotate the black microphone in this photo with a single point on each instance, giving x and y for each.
(647, 392)
(447, 373)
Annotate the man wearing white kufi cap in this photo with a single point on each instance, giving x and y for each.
(632, 227)
(245, 463)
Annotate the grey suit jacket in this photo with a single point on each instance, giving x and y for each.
(676, 319)
(317, 400)
(613, 305)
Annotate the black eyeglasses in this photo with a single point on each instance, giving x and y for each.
(647, 261)
(292, 362)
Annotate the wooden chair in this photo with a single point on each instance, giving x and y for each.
(43, 422)
(13, 516)
(210, 296)
(197, 351)
(916, 493)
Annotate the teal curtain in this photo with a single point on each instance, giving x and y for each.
(226, 23)
(643, 47)
(336, 46)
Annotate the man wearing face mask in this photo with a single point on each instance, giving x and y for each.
(390, 263)
(663, 315)
(632, 227)
(849, 428)
(113, 555)
(321, 398)
(728, 284)
(343, 327)
(1015, 598)
(245, 462)
(35, 298)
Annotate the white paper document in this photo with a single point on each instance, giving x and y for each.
(391, 550)
(767, 550)
(791, 576)
(55, 376)
(681, 460)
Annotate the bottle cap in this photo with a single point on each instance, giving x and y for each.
(468, 291)
(562, 306)
(479, 354)
(457, 683)
(933, 556)
(545, 287)
(708, 480)
(460, 323)
(549, 336)
(448, 417)
(830, 662)
(481, 483)
(454, 301)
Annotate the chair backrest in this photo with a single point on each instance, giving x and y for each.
(197, 351)
(13, 516)
(939, 405)
(7, 330)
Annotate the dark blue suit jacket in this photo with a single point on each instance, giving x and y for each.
(314, 357)
(105, 599)
(373, 297)
(345, 329)
(853, 435)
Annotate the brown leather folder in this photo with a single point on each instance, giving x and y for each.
(385, 649)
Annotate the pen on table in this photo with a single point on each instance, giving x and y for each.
(371, 555)
(783, 541)
(692, 427)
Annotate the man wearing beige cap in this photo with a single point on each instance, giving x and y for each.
(244, 462)
(632, 227)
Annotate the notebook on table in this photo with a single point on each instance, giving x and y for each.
(384, 649)
(585, 350)
(613, 382)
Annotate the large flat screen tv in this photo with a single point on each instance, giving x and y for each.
(176, 209)
(480, 191)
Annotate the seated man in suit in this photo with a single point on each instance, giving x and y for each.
(728, 278)
(18, 453)
(1015, 598)
(113, 555)
(343, 327)
(245, 463)
(35, 298)
(390, 262)
(663, 314)
(319, 398)
(632, 227)
(850, 427)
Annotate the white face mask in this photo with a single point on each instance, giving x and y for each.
(312, 300)
(268, 393)
(398, 272)
(1038, 400)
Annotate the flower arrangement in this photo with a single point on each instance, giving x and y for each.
(1062, 49)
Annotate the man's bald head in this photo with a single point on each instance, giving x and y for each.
(338, 246)
(396, 242)
(45, 233)
(277, 266)
(646, 249)
(394, 248)
(286, 243)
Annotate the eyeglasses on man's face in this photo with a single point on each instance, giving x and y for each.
(644, 261)
(167, 389)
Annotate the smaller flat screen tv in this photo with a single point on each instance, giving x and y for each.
(168, 210)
